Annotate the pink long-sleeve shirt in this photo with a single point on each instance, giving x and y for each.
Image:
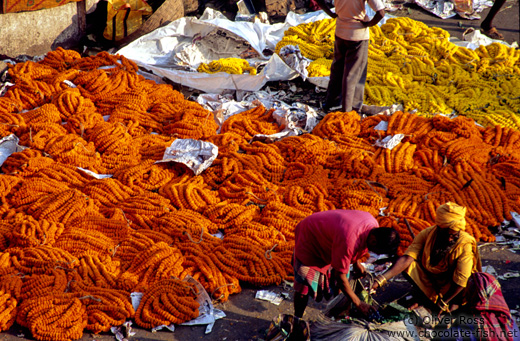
(336, 238)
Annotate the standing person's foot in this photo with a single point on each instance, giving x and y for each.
(492, 33)
(326, 108)
(371, 110)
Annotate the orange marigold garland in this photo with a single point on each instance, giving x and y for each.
(54, 317)
(40, 259)
(8, 310)
(28, 231)
(338, 124)
(254, 121)
(105, 307)
(158, 262)
(26, 162)
(167, 301)
(54, 281)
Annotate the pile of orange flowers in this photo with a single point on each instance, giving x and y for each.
(74, 247)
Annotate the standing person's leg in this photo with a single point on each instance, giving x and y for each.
(301, 290)
(300, 303)
(487, 24)
(356, 57)
(359, 91)
(333, 97)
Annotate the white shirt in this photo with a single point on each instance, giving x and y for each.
(347, 27)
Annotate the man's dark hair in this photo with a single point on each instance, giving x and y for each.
(387, 240)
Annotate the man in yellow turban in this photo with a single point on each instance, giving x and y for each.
(440, 259)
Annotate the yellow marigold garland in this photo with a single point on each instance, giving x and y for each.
(229, 65)
(408, 57)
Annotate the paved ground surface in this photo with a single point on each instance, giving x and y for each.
(248, 318)
(506, 21)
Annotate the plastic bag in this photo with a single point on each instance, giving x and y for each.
(288, 327)
(124, 17)
(333, 327)
(359, 330)
(464, 8)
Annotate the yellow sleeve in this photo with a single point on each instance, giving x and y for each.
(464, 265)
(417, 246)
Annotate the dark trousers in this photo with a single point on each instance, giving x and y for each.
(348, 74)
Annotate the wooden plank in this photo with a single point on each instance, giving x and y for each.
(81, 7)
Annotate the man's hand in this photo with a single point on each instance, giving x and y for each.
(359, 269)
(443, 307)
(367, 22)
(326, 9)
(379, 281)
(440, 314)
(454, 307)
(365, 309)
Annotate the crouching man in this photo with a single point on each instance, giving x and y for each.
(326, 243)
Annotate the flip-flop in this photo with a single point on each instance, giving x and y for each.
(493, 33)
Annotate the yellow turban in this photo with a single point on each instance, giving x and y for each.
(450, 215)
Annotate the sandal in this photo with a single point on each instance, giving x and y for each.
(493, 33)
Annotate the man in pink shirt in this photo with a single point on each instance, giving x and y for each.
(326, 243)
(348, 72)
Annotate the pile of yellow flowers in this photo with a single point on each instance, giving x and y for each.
(315, 39)
(319, 67)
(417, 66)
(236, 66)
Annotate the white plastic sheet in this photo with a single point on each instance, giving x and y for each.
(359, 330)
(516, 219)
(208, 314)
(196, 155)
(169, 52)
(472, 39)
(166, 52)
(270, 296)
(95, 175)
(292, 56)
(294, 119)
(390, 141)
(8, 145)
(383, 125)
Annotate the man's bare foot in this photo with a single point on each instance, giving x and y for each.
(493, 33)
(371, 110)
